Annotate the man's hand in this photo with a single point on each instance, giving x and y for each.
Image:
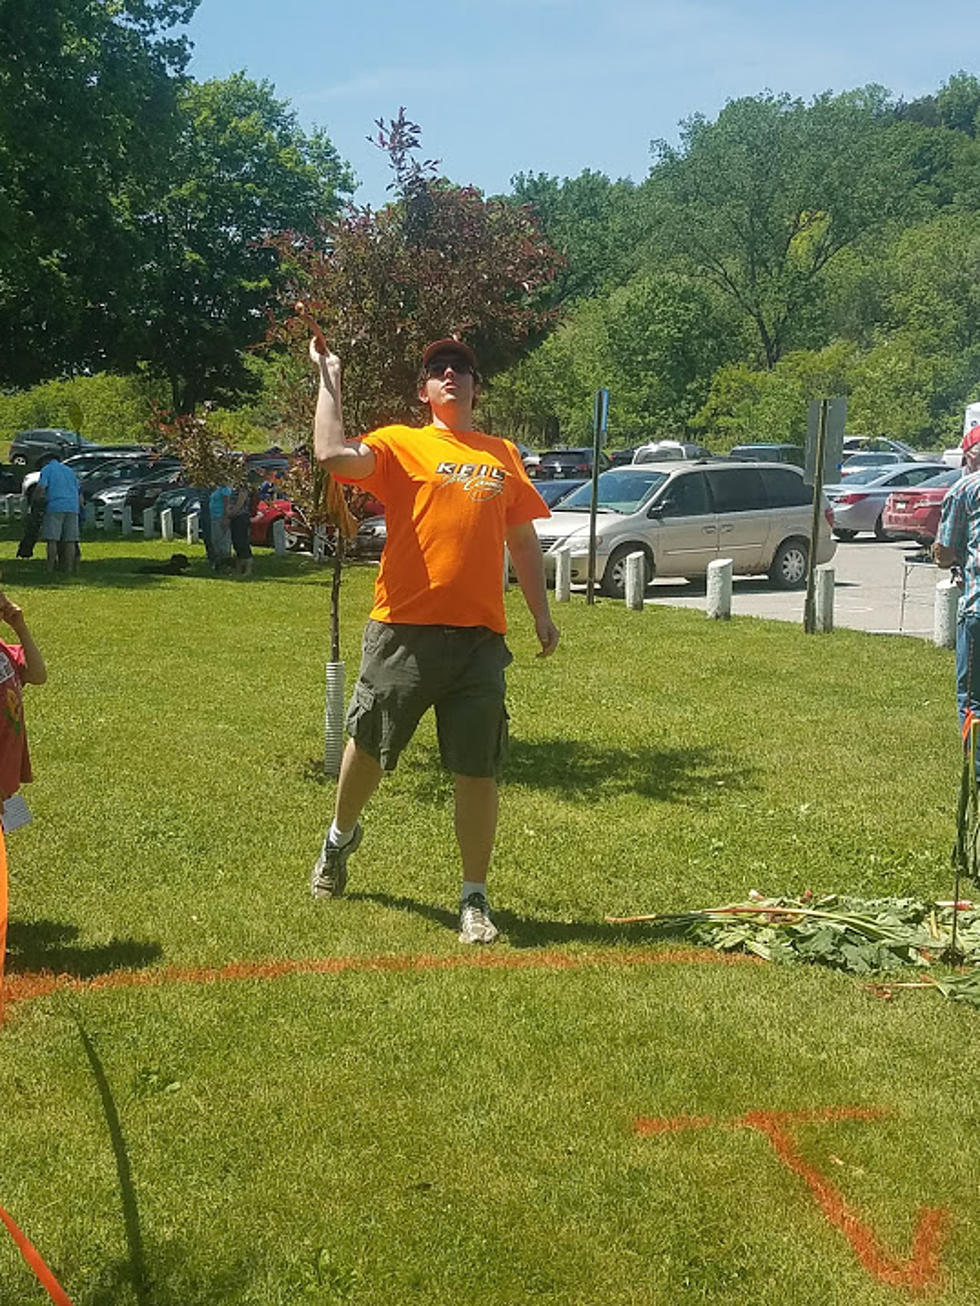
(327, 363)
(10, 612)
(547, 633)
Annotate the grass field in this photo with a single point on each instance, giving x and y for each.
(396, 1119)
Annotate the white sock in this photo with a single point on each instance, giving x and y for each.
(472, 886)
(337, 837)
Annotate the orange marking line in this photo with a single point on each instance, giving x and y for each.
(33, 1258)
(38, 984)
(918, 1273)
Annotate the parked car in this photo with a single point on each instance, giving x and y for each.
(769, 453)
(136, 492)
(28, 447)
(857, 503)
(622, 457)
(860, 462)
(913, 513)
(559, 464)
(881, 444)
(297, 532)
(370, 540)
(682, 516)
(181, 500)
(659, 451)
(554, 491)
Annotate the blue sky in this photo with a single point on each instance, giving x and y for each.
(557, 86)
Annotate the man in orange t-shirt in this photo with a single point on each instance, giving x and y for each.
(453, 498)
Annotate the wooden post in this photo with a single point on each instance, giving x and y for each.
(825, 600)
(193, 527)
(149, 523)
(944, 615)
(167, 524)
(126, 525)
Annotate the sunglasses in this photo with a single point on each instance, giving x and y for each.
(437, 366)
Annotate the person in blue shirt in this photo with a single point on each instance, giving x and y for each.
(62, 501)
(958, 545)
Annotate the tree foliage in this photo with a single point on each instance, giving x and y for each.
(240, 172)
(88, 90)
(439, 259)
(760, 201)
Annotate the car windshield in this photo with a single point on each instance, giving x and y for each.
(622, 489)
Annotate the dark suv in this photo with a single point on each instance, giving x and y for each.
(568, 464)
(29, 447)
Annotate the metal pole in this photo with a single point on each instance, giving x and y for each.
(809, 607)
(597, 424)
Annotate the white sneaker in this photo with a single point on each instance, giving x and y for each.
(329, 877)
(475, 922)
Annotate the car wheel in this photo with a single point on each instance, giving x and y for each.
(614, 577)
(880, 532)
(19, 460)
(294, 540)
(843, 535)
(788, 570)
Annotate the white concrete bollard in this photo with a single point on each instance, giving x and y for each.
(107, 522)
(944, 617)
(126, 520)
(720, 589)
(279, 536)
(5, 506)
(824, 596)
(319, 545)
(506, 569)
(193, 527)
(21, 506)
(635, 581)
(563, 576)
(167, 524)
(88, 515)
(149, 524)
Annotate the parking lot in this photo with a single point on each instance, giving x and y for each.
(868, 593)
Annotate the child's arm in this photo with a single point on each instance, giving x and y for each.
(35, 672)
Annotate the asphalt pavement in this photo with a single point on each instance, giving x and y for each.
(871, 579)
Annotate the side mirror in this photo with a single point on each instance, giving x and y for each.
(657, 509)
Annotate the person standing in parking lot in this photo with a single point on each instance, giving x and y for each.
(62, 503)
(453, 496)
(958, 545)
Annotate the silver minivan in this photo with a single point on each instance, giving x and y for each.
(683, 515)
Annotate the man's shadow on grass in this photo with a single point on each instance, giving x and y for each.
(519, 931)
(50, 946)
(580, 770)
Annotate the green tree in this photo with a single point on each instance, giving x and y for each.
(87, 95)
(241, 171)
(590, 221)
(759, 202)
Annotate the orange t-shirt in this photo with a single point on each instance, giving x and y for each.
(449, 499)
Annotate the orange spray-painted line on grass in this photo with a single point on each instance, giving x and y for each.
(33, 1258)
(918, 1273)
(37, 984)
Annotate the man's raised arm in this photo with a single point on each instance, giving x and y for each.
(331, 450)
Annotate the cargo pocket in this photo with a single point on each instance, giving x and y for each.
(364, 720)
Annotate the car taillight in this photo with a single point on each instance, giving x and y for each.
(851, 498)
(829, 514)
(581, 467)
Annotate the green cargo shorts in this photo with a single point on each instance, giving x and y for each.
(458, 670)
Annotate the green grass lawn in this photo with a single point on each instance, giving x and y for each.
(442, 1133)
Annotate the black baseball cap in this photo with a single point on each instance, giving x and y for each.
(449, 346)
